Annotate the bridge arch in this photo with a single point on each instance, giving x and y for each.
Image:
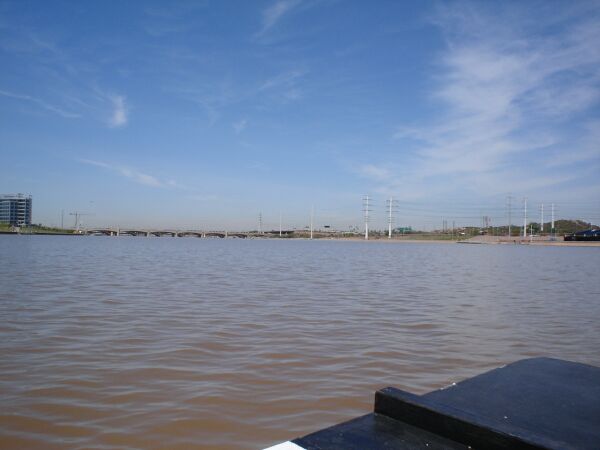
(101, 232)
(190, 233)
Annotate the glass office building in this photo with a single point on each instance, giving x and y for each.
(15, 210)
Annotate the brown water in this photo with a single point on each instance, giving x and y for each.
(192, 343)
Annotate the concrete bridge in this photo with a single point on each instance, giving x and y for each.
(161, 233)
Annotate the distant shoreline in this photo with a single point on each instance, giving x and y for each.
(41, 233)
(467, 242)
(380, 240)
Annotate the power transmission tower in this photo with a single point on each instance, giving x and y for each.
(542, 220)
(525, 217)
(312, 220)
(552, 225)
(366, 210)
(391, 206)
(509, 201)
(260, 223)
(279, 223)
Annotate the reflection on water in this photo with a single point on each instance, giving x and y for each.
(190, 343)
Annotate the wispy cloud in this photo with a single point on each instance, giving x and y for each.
(161, 20)
(374, 172)
(211, 97)
(275, 12)
(285, 79)
(286, 84)
(120, 112)
(240, 126)
(41, 103)
(56, 69)
(132, 174)
(514, 96)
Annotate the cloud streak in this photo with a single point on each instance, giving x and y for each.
(132, 174)
(283, 80)
(374, 172)
(43, 104)
(240, 126)
(120, 112)
(285, 85)
(274, 13)
(513, 97)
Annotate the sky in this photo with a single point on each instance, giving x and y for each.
(207, 114)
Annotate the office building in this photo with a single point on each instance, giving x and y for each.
(15, 210)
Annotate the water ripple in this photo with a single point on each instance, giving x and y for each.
(188, 343)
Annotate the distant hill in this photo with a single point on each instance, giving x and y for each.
(562, 226)
(571, 226)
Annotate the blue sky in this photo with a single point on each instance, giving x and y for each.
(201, 114)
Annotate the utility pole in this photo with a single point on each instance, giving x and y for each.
(366, 211)
(542, 220)
(312, 219)
(509, 198)
(525, 217)
(391, 204)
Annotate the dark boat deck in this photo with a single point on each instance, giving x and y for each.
(539, 403)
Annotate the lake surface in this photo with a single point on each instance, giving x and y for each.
(223, 344)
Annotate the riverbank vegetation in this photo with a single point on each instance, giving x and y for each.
(33, 229)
